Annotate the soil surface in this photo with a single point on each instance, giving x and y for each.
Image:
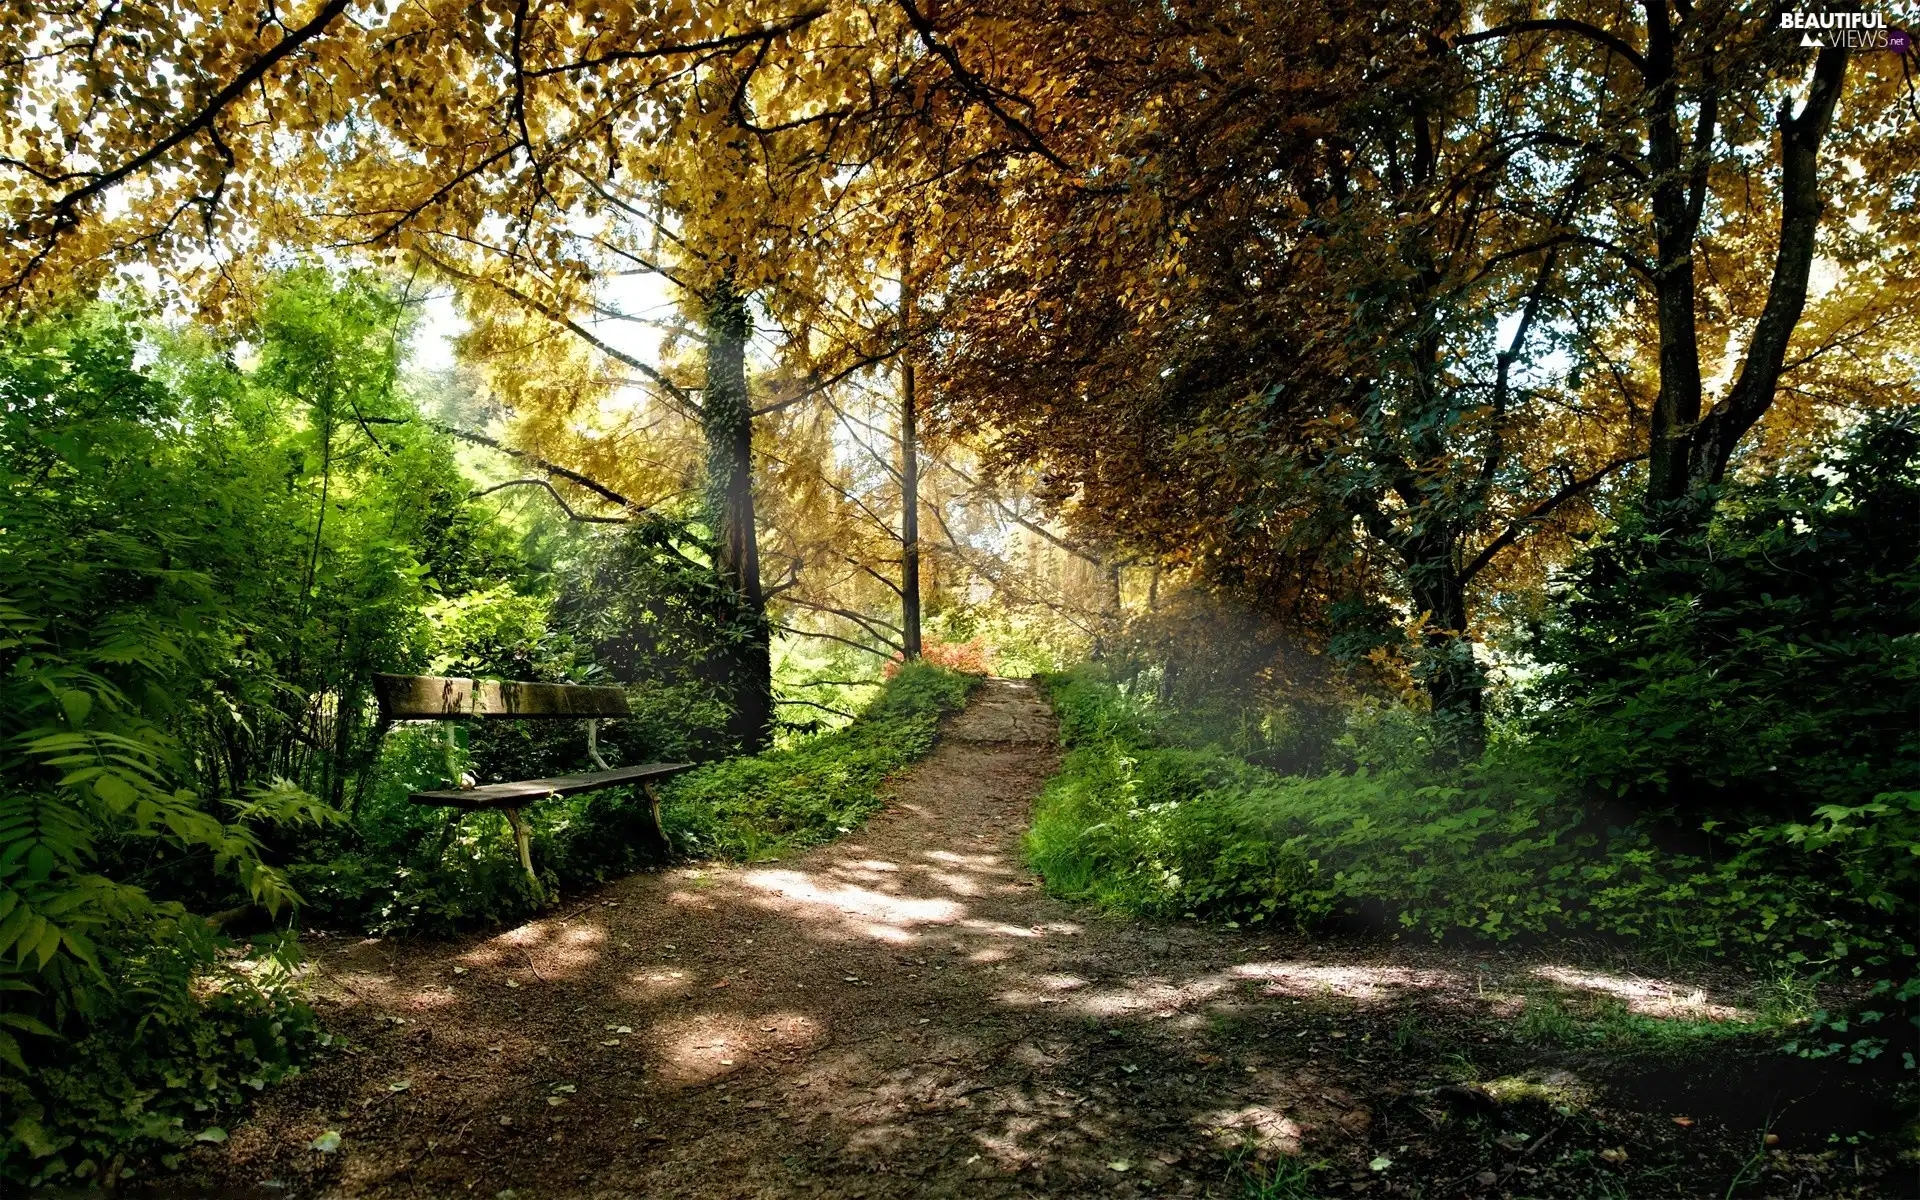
(905, 1013)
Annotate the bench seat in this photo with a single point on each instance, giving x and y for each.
(516, 794)
(447, 698)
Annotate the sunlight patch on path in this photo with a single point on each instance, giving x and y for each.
(1256, 1127)
(1357, 983)
(710, 1046)
(879, 915)
(1647, 997)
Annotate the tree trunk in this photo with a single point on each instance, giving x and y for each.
(1688, 452)
(1801, 207)
(1454, 681)
(909, 467)
(727, 419)
(1677, 407)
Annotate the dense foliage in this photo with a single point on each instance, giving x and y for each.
(1762, 664)
(209, 542)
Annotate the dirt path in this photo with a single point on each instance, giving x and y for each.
(900, 1013)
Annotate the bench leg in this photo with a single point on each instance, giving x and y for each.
(524, 841)
(653, 807)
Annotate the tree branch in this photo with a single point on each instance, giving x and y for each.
(1540, 512)
(557, 499)
(833, 637)
(731, 41)
(838, 712)
(64, 208)
(599, 489)
(1592, 33)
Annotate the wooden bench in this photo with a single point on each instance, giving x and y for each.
(439, 698)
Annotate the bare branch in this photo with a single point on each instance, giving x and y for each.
(557, 499)
(826, 708)
(599, 489)
(833, 637)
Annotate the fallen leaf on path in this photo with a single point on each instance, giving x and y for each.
(459, 970)
(1380, 1164)
(513, 983)
(1684, 1122)
(327, 1142)
(611, 1042)
(212, 1133)
(1119, 1164)
(1615, 1154)
(400, 1085)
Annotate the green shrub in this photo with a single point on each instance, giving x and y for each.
(190, 1030)
(115, 1015)
(1759, 665)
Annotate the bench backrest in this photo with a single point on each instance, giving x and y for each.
(440, 698)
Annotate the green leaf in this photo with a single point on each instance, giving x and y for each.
(26, 1024)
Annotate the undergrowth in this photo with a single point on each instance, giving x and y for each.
(192, 1028)
(1492, 849)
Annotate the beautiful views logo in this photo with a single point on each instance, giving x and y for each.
(1852, 30)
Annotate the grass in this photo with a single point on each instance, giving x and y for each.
(1556, 1018)
(1283, 1178)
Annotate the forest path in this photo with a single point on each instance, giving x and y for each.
(900, 1013)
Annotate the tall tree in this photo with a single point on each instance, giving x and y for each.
(1698, 104)
(909, 463)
